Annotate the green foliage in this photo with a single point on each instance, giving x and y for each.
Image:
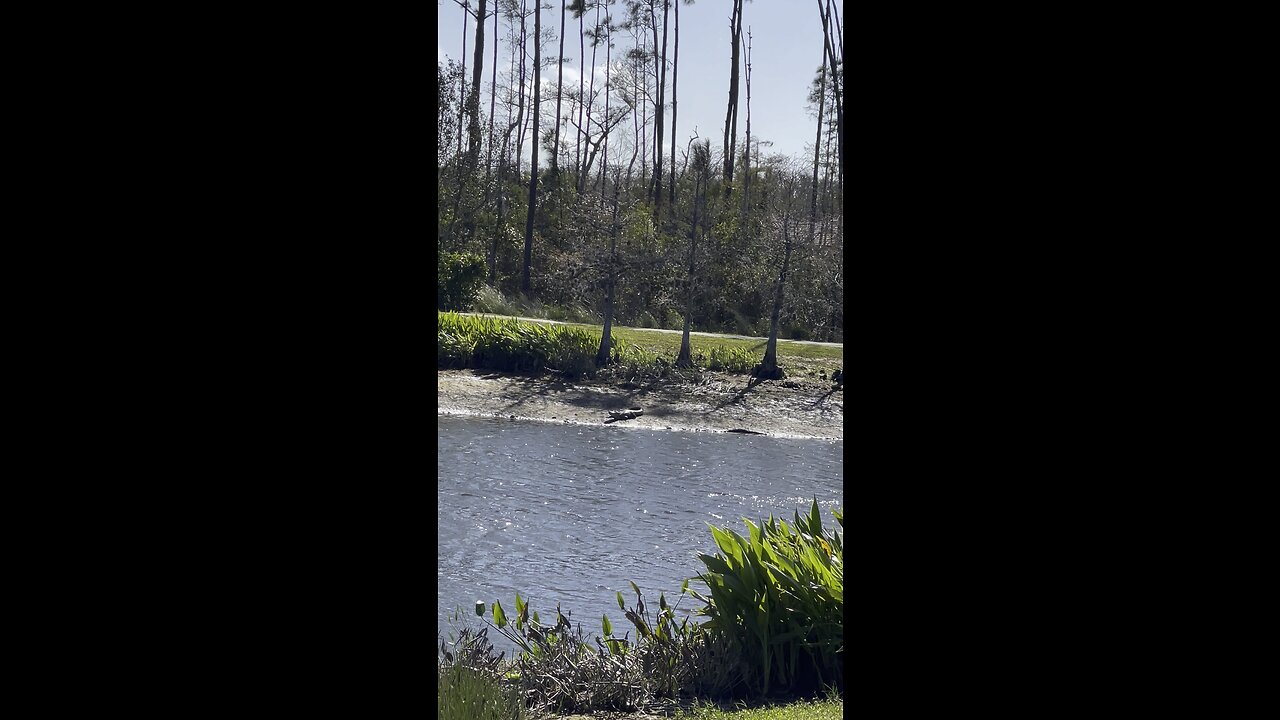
(774, 622)
(466, 694)
(559, 670)
(778, 594)
(513, 346)
(458, 280)
(519, 346)
(731, 359)
(470, 681)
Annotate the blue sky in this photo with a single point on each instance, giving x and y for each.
(786, 53)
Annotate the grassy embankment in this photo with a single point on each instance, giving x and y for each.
(531, 345)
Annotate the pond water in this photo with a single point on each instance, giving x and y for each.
(570, 513)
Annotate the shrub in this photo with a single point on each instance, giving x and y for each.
(778, 595)
(458, 280)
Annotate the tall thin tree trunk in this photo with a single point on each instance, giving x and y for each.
(493, 100)
(768, 368)
(606, 339)
(608, 77)
(835, 83)
(462, 82)
(657, 95)
(817, 148)
(582, 89)
(644, 123)
(473, 104)
(662, 109)
(733, 136)
(685, 358)
(635, 117)
(533, 176)
(584, 171)
(675, 66)
(835, 15)
(555, 155)
(746, 159)
(524, 51)
(731, 112)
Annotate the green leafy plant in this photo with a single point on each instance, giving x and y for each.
(778, 594)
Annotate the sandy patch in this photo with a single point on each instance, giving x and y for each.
(804, 408)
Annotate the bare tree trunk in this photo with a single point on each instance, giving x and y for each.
(473, 104)
(675, 66)
(635, 117)
(701, 179)
(817, 148)
(584, 172)
(746, 160)
(555, 156)
(731, 112)
(462, 81)
(835, 83)
(660, 110)
(503, 158)
(602, 356)
(608, 77)
(685, 359)
(768, 368)
(524, 36)
(582, 89)
(533, 175)
(644, 127)
(493, 99)
(835, 15)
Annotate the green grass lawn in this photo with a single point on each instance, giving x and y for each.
(803, 710)
(794, 357)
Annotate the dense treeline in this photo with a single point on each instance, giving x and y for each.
(635, 218)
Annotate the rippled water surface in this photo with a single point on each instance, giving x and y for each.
(570, 514)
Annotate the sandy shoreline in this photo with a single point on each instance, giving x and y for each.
(801, 407)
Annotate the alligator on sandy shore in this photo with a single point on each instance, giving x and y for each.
(617, 415)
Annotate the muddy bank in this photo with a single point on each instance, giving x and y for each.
(800, 407)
